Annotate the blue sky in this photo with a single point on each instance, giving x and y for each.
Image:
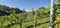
(26, 4)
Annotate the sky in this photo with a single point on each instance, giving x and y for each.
(26, 4)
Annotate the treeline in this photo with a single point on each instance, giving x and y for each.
(5, 10)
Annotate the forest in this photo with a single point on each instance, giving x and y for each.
(17, 18)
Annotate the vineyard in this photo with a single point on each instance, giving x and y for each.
(16, 18)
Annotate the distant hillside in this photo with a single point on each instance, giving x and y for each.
(5, 10)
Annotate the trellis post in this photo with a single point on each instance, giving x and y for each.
(22, 18)
(34, 13)
(52, 14)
